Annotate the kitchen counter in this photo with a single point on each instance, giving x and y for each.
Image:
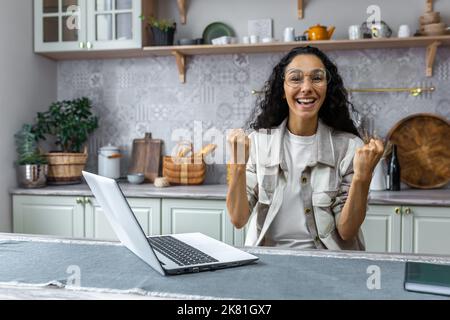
(29, 263)
(437, 197)
(204, 192)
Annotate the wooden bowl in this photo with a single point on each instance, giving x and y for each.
(184, 171)
(435, 27)
(430, 17)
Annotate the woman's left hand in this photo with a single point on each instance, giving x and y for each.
(366, 158)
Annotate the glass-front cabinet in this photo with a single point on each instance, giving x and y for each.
(73, 25)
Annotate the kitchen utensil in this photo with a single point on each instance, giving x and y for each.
(319, 32)
(146, 157)
(423, 145)
(109, 162)
(216, 30)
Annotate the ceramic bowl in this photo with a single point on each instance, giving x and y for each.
(136, 178)
(186, 42)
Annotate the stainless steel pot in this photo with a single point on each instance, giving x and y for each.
(32, 175)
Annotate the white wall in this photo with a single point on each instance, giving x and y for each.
(340, 13)
(27, 85)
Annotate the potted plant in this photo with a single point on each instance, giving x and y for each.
(70, 122)
(31, 164)
(162, 31)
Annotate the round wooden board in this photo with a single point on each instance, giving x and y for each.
(423, 147)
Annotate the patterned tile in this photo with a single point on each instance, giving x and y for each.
(135, 96)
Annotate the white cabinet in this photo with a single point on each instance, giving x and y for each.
(77, 217)
(147, 212)
(407, 229)
(56, 216)
(209, 217)
(82, 217)
(381, 229)
(74, 25)
(426, 230)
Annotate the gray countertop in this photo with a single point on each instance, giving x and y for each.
(311, 268)
(437, 197)
(214, 192)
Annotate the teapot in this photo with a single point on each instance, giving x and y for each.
(319, 32)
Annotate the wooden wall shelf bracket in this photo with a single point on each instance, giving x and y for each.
(182, 9)
(181, 64)
(300, 12)
(431, 55)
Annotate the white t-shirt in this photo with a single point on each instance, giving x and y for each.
(288, 229)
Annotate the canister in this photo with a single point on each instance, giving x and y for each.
(109, 162)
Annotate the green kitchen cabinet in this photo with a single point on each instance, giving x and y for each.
(147, 212)
(407, 229)
(209, 217)
(56, 216)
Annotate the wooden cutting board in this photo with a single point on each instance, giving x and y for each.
(423, 147)
(146, 157)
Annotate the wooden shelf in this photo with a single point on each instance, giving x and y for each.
(180, 52)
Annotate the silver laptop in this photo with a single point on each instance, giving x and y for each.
(170, 254)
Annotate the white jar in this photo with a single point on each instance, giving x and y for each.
(109, 162)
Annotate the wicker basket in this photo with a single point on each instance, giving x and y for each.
(65, 168)
(184, 171)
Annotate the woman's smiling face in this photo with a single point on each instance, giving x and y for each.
(305, 86)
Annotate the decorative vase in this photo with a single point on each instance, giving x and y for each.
(32, 176)
(162, 38)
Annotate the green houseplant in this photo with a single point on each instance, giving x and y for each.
(162, 31)
(31, 165)
(70, 122)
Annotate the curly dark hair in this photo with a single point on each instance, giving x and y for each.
(271, 109)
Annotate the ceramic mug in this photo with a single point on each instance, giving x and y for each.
(289, 34)
(404, 31)
(254, 38)
(354, 32)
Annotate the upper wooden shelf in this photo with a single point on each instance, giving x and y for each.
(180, 52)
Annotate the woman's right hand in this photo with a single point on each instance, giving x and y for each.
(239, 145)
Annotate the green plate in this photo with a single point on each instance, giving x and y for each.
(216, 30)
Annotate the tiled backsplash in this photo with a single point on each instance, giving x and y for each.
(134, 96)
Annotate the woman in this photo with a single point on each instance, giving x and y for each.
(304, 169)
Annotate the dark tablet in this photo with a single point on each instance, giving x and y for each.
(427, 278)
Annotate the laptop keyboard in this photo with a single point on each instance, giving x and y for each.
(181, 253)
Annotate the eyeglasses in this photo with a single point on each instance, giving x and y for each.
(318, 77)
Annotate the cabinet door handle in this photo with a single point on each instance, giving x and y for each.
(398, 211)
(89, 45)
(80, 201)
(87, 201)
(81, 45)
(408, 211)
